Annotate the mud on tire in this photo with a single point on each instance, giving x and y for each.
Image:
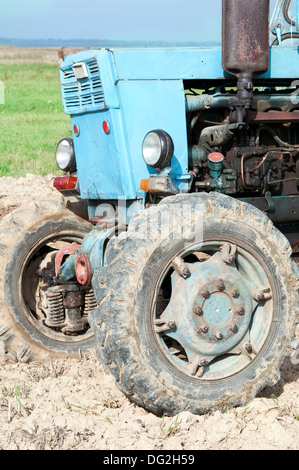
(126, 288)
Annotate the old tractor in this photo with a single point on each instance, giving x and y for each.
(172, 250)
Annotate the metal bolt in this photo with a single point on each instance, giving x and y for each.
(218, 335)
(202, 362)
(263, 295)
(203, 328)
(205, 294)
(248, 347)
(198, 311)
(236, 294)
(186, 272)
(240, 310)
(231, 259)
(220, 285)
(163, 325)
(198, 367)
(233, 328)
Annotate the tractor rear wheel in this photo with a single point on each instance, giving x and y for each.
(191, 322)
(29, 239)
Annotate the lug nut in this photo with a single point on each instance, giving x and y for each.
(198, 311)
(203, 328)
(186, 272)
(233, 328)
(205, 294)
(240, 310)
(202, 362)
(220, 285)
(236, 294)
(231, 259)
(218, 335)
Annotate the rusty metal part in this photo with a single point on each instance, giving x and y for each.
(202, 256)
(228, 253)
(83, 269)
(55, 317)
(240, 310)
(245, 49)
(66, 250)
(163, 325)
(272, 116)
(65, 309)
(245, 40)
(198, 310)
(198, 365)
(73, 303)
(180, 267)
(90, 302)
(262, 295)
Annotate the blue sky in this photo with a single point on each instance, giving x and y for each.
(145, 20)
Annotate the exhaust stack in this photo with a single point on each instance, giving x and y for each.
(245, 48)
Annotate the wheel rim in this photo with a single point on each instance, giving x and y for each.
(218, 313)
(30, 288)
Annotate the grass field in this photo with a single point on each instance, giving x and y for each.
(32, 120)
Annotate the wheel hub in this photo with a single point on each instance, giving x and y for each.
(211, 309)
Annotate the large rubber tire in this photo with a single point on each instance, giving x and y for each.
(24, 236)
(125, 289)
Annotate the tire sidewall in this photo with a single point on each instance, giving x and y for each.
(269, 358)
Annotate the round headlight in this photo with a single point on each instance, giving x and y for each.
(65, 155)
(157, 149)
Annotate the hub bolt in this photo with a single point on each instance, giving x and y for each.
(205, 294)
(198, 311)
(240, 310)
(220, 285)
(218, 335)
(235, 294)
(233, 328)
(203, 328)
(186, 272)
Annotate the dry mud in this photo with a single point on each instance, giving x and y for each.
(73, 404)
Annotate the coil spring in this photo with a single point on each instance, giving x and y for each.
(55, 317)
(90, 302)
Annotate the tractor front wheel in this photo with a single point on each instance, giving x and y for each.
(197, 305)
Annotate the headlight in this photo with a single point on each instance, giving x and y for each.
(157, 149)
(65, 155)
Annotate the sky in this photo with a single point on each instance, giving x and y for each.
(145, 20)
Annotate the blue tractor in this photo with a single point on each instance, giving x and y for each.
(173, 249)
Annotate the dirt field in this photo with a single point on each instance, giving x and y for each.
(74, 404)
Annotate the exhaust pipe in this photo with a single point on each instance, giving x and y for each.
(245, 48)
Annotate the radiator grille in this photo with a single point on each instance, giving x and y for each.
(82, 95)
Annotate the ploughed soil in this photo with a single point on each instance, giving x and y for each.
(74, 403)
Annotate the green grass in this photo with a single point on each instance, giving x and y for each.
(32, 120)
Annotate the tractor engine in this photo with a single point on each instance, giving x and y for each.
(256, 157)
(244, 137)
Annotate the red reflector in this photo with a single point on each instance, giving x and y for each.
(76, 130)
(65, 183)
(106, 127)
(83, 269)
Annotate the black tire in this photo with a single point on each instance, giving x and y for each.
(126, 288)
(27, 235)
